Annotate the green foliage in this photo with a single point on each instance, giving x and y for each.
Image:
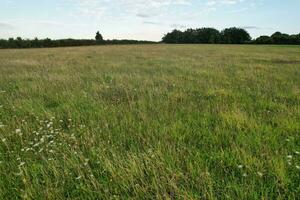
(98, 37)
(227, 36)
(177, 36)
(207, 36)
(264, 40)
(41, 43)
(278, 38)
(235, 36)
(150, 122)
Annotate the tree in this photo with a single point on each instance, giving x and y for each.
(235, 36)
(264, 40)
(207, 36)
(99, 37)
(189, 36)
(47, 42)
(19, 42)
(175, 36)
(280, 38)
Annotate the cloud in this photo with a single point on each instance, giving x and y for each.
(142, 15)
(178, 26)
(250, 27)
(5, 26)
(222, 2)
(238, 6)
(152, 23)
(256, 28)
(139, 8)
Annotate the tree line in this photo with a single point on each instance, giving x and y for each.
(41, 43)
(190, 36)
(278, 38)
(231, 35)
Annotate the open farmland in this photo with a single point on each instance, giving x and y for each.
(150, 122)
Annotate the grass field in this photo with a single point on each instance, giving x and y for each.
(150, 122)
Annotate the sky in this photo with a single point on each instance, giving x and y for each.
(143, 19)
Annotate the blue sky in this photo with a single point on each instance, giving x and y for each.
(142, 19)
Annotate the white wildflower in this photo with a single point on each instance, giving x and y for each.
(86, 162)
(260, 174)
(240, 166)
(18, 131)
(37, 144)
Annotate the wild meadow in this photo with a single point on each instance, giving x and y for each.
(150, 122)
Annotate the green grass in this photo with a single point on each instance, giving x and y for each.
(150, 122)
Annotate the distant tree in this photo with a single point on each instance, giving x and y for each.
(18, 42)
(235, 36)
(264, 40)
(12, 43)
(189, 36)
(99, 37)
(47, 43)
(280, 38)
(208, 36)
(293, 39)
(35, 43)
(297, 39)
(175, 36)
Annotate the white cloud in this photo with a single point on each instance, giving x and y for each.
(5, 26)
(222, 2)
(129, 7)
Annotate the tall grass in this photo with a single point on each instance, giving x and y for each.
(150, 122)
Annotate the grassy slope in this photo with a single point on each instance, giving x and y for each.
(152, 121)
